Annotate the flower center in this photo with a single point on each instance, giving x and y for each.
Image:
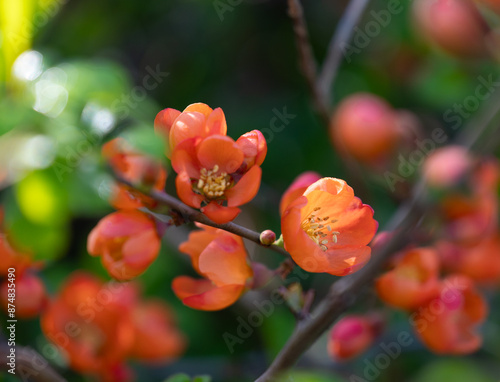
(211, 184)
(318, 229)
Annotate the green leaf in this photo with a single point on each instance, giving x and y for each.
(306, 376)
(452, 370)
(181, 377)
(202, 378)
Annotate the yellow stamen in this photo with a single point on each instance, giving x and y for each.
(317, 231)
(212, 185)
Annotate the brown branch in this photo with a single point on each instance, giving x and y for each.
(306, 58)
(29, 365)
(190, 214)
(341, 37)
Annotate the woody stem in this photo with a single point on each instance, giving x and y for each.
(192, 215)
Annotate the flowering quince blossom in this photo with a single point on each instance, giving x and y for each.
(135, 167)
(220, 257)
(480, 261)
(413, 281)
(127, 241)
(461, 309)
(215, 173)
(469, 218)
(110, 333)
(327, 229)
(157, 337)
(352, 335)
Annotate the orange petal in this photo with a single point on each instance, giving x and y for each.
(141, 250)
(196, 244)
(254, 147)
(246, 188)
(220, 214)
(203, 295)
(164, 121)
(331, 194)
(216, 123)
(184, 158)
(356, 225)
(222, 151)
(200, 108)
(187, 125)
(185, 191)
(224, 261)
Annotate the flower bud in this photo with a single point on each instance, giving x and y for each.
(445, 167)
(364, 126)
(456, 26)
(267, 237)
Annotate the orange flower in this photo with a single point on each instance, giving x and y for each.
(447, 324)
(221, 258)
(156, 336)
(197, 120)
(328, 228)
(136, 168)
(352, 335)
(88, 325)
(30, 295)
(413, 281)
(297, 188)
(472, 216)
(127, 241)
(10, 258)
(364, 126)
(480, 262)
(213, 171)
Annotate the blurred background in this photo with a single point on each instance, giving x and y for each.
(74, 74)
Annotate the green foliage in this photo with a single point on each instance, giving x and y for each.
(185, 378)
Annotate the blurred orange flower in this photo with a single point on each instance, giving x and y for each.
(328, 228)
(220, 257)
(413, 281)
(136, 168)
(127, 241)
(99, 326)
(447, 324)
(352, 335)
(88, 325)
(156, 336)
(30, 295)
(480, 261)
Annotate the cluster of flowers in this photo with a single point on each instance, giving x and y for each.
(99, 326)
(325, 227)
(439, 285)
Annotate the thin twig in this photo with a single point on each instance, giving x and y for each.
(190, 214)
(306, 58)
(29, 365)
(341, 37)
